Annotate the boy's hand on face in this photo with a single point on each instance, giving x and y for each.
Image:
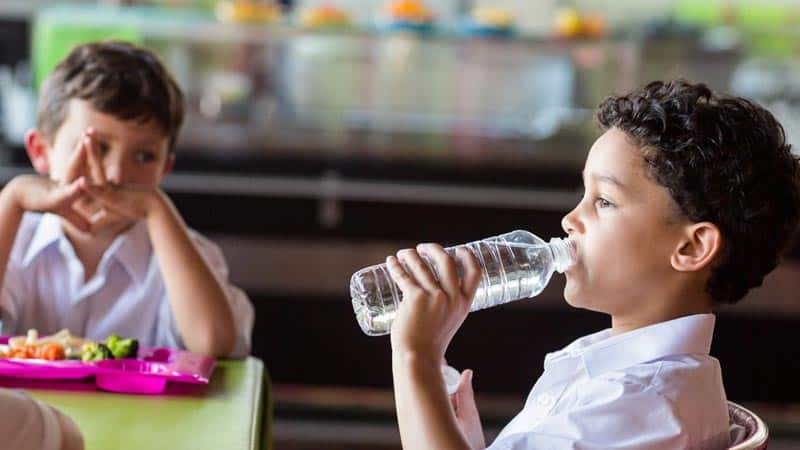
(38, 193)
(87, 162)
(84, 162)
(431, 311)
(126, 201)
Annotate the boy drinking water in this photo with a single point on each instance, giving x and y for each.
(690, 198)
(92, 244)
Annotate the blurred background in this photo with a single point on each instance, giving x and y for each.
(323, 135)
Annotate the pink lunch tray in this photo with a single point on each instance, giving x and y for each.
(147, 374)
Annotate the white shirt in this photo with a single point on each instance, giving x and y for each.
(44, 288)
(651, 388)
(29, 424)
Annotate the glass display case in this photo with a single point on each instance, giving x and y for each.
(258, 94)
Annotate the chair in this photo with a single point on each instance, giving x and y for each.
(748, 431)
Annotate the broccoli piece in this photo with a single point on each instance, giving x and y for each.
(111, 341)
(95, 351)
(122, 348)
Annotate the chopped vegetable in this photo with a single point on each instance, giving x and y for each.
(64, 345)
(122, 348)
(50, 351)
(25, 351)
(32, 337)
(95, 351)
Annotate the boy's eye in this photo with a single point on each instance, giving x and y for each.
(602, 203)
(145, 157)
(103, 147)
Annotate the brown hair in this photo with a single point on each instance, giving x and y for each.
(116, 78)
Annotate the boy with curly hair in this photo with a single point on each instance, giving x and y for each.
(690, 199)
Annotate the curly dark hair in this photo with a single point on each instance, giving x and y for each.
(723, 159)
(116, 78)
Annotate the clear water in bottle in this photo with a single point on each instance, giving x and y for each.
(514, 266)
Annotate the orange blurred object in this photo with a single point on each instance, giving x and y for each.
(410, 10)
(324, 16)
(26, 351)
(595, 26)
(569, 23)
(50, 351)
(247, 11)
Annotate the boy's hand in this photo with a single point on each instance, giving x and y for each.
(85, 162)
(38, 193)
(127, 201)
(431, 310)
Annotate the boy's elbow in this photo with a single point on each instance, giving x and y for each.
(218, 345)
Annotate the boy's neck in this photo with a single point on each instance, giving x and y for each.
(89, 248)
(622, 323)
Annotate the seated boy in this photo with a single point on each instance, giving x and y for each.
(689, 199)
(96, 246)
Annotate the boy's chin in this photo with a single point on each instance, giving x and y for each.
(574, 297)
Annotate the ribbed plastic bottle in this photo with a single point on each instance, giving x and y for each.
(514, 266)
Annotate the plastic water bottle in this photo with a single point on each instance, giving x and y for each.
(514, 266)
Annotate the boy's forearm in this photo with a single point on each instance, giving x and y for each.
(424, 414)
(10, 218)
(198, 301)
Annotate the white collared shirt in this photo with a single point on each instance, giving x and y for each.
(44, 288)
(651, 388)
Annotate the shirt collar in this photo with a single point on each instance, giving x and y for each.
(131, 249)
(603, 353)
(48, 231)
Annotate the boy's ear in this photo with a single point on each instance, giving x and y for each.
(700, 246)
(37, 148)
(169, 163)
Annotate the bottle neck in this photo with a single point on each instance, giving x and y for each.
(564, 255)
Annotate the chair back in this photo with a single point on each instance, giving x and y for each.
(748, 431)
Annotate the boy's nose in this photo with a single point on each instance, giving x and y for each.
(114, 173)
(569, 222)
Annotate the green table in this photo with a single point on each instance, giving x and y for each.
(231, 412)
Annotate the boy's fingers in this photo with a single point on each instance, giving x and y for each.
(472, 272)
(419, 269)
(76, 219)
(95, 166)
(445, 267)
(400, 276)
(72, 192)
(76, 162)
(464, 396)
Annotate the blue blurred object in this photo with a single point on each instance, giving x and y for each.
(469, 27)
(405, 25)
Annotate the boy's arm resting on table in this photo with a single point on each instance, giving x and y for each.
(242, 308)
(30, 424)
(199, 302)
(35, 193)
